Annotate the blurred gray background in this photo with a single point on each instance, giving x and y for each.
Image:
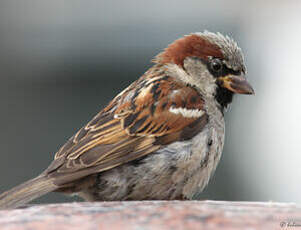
(62, 61)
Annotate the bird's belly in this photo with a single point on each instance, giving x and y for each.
(177, 171)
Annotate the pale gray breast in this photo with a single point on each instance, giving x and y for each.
(168, 172)
(206, 151)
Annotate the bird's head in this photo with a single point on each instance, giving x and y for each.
(212, 63)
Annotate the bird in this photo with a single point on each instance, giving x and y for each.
(161, 138)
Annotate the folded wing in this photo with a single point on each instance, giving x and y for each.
(149, 114)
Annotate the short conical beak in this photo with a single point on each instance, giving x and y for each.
(236, 84)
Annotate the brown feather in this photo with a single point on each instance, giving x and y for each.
(27, 191)
(188, 46)
(136, 123)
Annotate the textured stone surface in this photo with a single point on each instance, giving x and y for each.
(154, 215)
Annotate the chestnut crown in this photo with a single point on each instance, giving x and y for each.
(205, 46)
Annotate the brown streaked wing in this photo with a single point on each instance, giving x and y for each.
(129, 129)
(152, 116)
(102, 143)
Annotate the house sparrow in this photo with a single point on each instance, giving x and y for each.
(159, 139)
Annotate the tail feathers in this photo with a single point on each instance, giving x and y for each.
(26, 192)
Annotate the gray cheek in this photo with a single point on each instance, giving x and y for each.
(194, 66)
(200, 76)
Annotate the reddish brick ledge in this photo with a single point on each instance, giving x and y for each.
(153, 215)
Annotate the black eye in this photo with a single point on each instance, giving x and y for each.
(216, 65)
